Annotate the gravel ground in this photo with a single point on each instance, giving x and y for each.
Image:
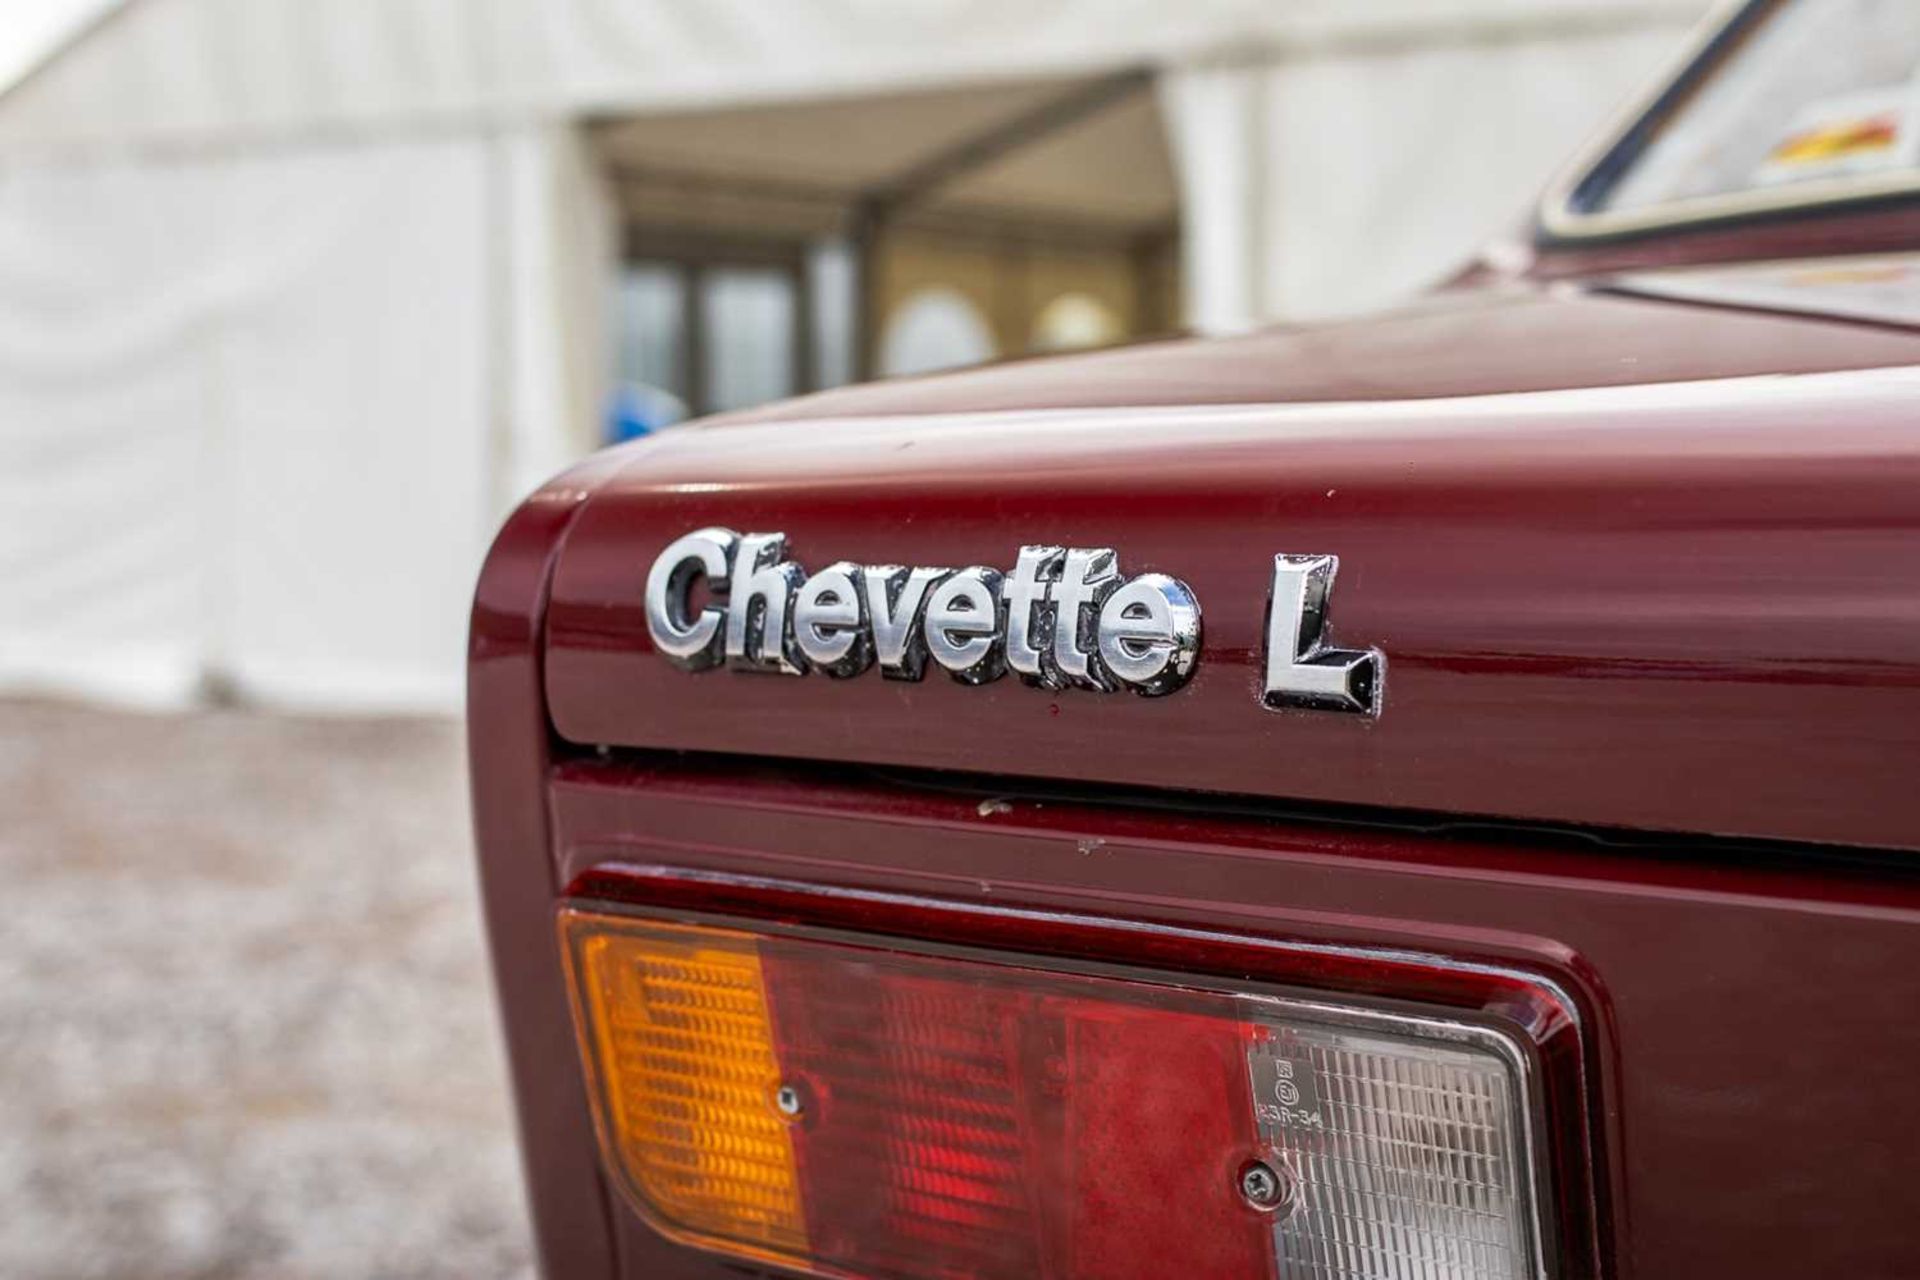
(246, 1027)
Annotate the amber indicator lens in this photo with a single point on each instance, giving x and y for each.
(853, 1110)
(685, 1055)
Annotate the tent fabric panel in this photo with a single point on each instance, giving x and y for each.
(109, 285)
(260, 419)
(203, 72)
(354, 375)
(1387, 171)
(1328, 187)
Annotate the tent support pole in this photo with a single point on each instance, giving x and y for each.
(869, 217)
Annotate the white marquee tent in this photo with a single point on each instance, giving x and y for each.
(297, 296)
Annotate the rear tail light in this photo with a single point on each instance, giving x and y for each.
(849, 1110)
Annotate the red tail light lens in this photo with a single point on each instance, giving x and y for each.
(859, 1111)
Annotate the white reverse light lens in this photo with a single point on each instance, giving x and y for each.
(1411, 1151)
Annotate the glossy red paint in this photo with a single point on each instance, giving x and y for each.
(1687, 607)
(1624, 578)
(509, 760)
(1496, 340)
(1891, 228)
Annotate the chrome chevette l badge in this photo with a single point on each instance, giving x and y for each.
(1063, 617)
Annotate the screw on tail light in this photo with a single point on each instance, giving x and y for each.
(1269, 1187)
(857, 1107)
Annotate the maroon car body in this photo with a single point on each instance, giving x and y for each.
(1648, 573)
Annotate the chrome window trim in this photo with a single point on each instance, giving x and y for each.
(1562, 223)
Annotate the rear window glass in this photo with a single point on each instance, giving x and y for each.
(1807, 91)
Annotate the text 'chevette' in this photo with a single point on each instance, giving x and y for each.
(1064, 617)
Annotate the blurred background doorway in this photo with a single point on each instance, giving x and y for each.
(775, 249)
